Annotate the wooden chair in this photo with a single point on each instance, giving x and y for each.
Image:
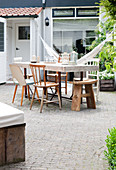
(92, 75)
(37, 71)
(77, 94)
(19, 79)
(54, 77)
(64, 77)
(29, 75)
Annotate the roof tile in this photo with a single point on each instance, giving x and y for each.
(19, 11)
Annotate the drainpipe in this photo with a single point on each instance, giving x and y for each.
(43, 33)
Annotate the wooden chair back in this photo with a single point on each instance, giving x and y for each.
(38, 73)
(17, 74)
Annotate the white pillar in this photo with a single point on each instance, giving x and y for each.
(32, 38)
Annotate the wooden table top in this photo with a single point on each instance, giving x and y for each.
(60, 67)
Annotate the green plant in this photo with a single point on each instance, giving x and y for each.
(108, 52)
(110, 154)
(104, 75)
(109, 7)
(107, 56)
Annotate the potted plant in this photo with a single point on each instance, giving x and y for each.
(107, 67)
(106, 81)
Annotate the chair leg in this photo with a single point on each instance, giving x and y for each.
(14, 93)
(28, 92)
(66, 83)
(59, 98)
(56, 80)
(76, 99)
(33, 98)
(46, 96)
(37, 95)
(23, 87)
(42, 100)
(91, 99)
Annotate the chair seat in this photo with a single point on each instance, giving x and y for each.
(28, 82)
(48, 84)
(78, 79)
(87, 81)
(29, 76)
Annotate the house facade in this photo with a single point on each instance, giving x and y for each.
(64, 25)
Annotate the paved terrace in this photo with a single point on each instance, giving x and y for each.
(64, 139)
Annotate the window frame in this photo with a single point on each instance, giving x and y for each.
(77, 11)
(27, 35)
(63, 9)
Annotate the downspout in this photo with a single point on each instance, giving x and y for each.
(43, 33)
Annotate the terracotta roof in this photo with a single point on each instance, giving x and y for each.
(9, 12)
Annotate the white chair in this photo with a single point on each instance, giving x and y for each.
(19, 79)
(93, 75)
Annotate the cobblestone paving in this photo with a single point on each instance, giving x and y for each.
(64, 139)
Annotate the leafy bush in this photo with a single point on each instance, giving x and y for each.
(107, 56)
(108, 52)
(109, 7)
(110, 154)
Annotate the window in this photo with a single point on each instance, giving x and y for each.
(24, 33)
(73, 34)
(87, 12)
(1, 36)
(63, 12)
(90, 37)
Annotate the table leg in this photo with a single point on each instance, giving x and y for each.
(81, 77)
(46, 74)
(59, 80)
(25, 76)
(46, 81)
